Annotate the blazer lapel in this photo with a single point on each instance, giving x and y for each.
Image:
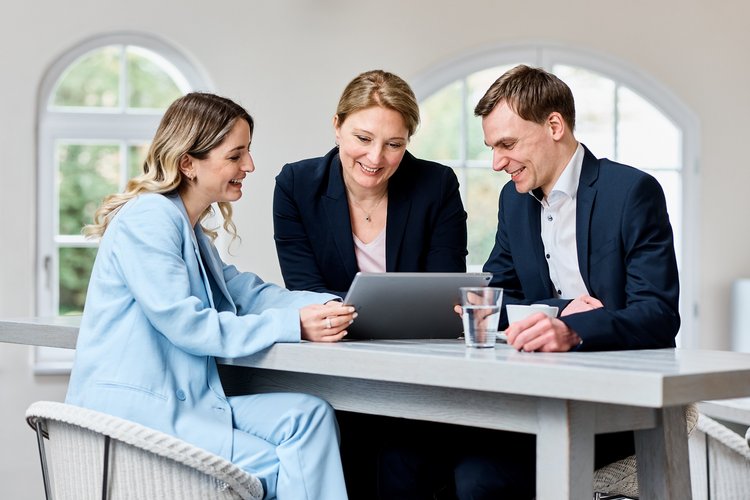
(215, 268)
(584, 206)
(335, 204)
(175, 198)
(399, 206)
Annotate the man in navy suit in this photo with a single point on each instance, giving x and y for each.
(587, 235)
(590, 236)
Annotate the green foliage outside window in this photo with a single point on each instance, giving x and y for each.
(86, 174)
(93, 81)
(148, 85)
(476, 85)
(439, 136)
(136, 156)
(451, 133)
(483, 188)
(75, 271)
(88, 171)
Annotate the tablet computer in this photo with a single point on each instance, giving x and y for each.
(408, 305)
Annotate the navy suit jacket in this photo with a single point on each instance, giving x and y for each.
(425, 229)
(625, 254)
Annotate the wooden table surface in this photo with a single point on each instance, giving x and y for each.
(563, 398)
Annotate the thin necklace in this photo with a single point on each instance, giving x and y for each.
(368, 215)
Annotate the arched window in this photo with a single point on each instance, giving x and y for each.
(620, 114)
(99, 105)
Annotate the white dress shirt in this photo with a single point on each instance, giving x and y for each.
(559, 231)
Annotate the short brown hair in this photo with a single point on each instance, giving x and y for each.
(379, 88)
(532, 94)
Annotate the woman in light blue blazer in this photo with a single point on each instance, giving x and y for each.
(161, 305)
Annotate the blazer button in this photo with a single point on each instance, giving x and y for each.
(180, 394)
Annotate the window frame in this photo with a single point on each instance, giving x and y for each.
(546, 55)
(85, 125)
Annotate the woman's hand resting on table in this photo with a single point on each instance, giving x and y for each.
(325, 322)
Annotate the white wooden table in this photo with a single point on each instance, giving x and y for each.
(56, 331)
(565, 399)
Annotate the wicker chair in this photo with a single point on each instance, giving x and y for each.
(720, 462)
(93, 455)
(620, 479)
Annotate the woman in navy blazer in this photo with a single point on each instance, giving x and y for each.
(161, 306)
(368, 205)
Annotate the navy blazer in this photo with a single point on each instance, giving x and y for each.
(425, 228)
(625, 254)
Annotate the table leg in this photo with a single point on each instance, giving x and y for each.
(564, 450)
(662, 456)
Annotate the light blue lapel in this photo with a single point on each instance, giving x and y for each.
(202, 242)
(214, 265)
(584, 206)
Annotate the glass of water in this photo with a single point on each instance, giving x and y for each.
(481, 314)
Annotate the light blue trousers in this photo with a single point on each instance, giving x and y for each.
(291, 443)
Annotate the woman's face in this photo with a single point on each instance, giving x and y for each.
(219, 176)
(372, 143)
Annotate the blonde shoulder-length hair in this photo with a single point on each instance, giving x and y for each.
(193, 124)
(379, 88)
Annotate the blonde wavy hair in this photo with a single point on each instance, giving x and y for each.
(193, 124)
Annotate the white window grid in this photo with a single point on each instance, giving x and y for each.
(111, 125)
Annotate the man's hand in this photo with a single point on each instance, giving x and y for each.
(582, 304)
(539, 332)
(325, 322)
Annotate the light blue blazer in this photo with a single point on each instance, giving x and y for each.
(155, 319)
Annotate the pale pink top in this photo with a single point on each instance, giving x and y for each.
(370, 256)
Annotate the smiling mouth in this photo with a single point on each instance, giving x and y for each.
(368, 169)
(516, 172)
(236, 182)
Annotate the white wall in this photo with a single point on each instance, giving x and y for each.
(287, 61)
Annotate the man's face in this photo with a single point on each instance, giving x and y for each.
(523, 149)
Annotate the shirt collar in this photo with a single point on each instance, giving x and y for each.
(567, 183)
